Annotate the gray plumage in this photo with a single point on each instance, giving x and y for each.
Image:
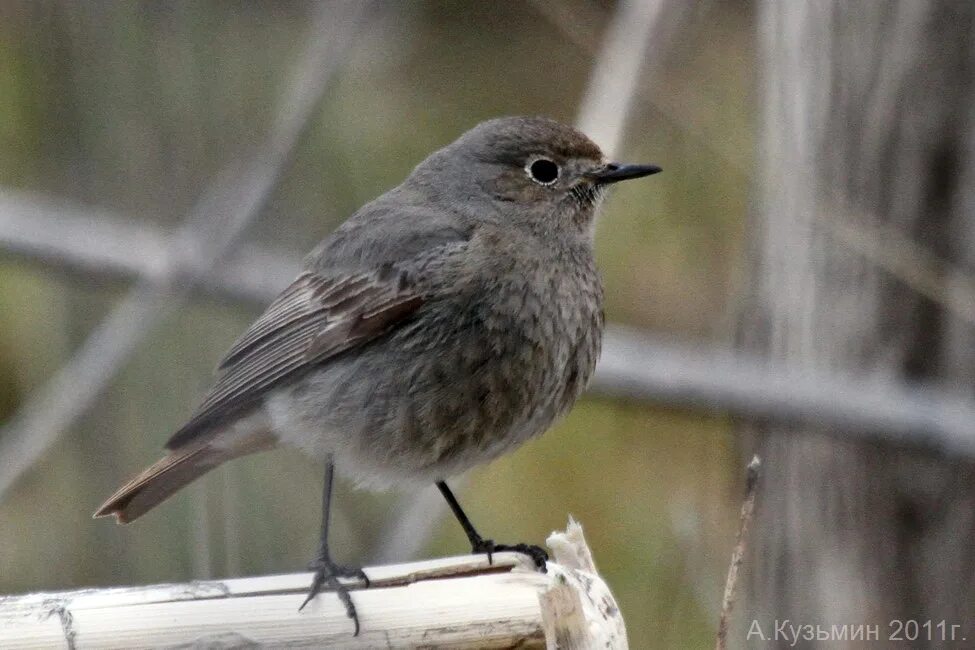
(445, 323)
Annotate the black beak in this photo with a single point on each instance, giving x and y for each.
(616, 172)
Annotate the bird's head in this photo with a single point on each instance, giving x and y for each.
(531, 170)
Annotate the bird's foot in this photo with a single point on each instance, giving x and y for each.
(327, 574)
(536, 553)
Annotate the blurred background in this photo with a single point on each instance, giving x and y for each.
(796, 283)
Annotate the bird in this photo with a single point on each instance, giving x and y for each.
(445, 323)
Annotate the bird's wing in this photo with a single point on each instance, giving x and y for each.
(313, 320)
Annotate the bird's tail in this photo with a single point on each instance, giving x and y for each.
(170, 473)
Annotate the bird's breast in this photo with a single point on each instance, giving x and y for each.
(537, 329)
(481, 369)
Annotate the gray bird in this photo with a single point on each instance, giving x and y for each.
(444, 324)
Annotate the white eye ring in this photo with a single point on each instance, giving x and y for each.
(543, 171)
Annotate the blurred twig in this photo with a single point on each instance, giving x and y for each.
(695, 568)
(208, 232)
(615, 76)
(633, 364)
(636, 366)
(667, 20)
(924, 272)
(98, 244)
(202, 556)
(747, 507)
(406, 533)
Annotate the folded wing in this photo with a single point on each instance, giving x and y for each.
(313, 320)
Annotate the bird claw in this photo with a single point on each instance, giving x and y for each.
(338, 570)
(327, 573)
(537, 554)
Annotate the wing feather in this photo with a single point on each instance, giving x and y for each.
(312, 320)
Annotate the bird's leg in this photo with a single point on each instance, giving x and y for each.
(481, 545)
(326, 571)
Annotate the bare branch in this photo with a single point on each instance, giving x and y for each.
(747, 507)
(637, 366)
(99, 244)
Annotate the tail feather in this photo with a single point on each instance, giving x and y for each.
(167, 475)
(159, 481)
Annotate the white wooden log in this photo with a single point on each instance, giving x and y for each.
(578, 610)
(459, 602)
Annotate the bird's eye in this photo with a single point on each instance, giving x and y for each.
(543, 171)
